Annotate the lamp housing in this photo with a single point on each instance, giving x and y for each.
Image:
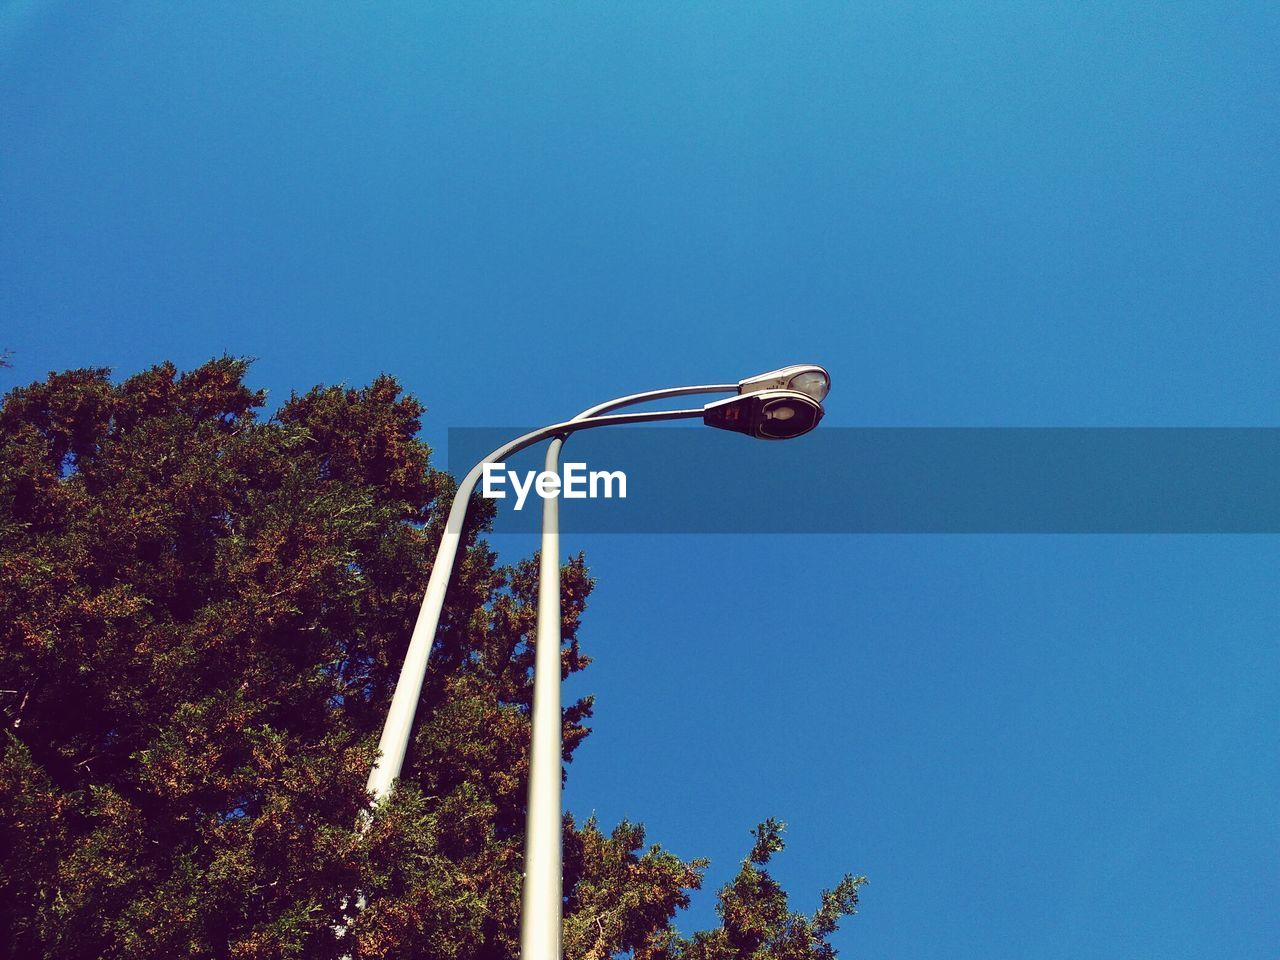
(806, 378)
(765, 415)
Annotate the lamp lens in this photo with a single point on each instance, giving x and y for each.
(783, 419)
(813, 383)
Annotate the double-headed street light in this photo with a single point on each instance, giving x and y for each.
(777, 405)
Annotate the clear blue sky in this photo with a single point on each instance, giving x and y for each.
(982, 214)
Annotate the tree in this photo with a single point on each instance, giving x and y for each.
(203, 613)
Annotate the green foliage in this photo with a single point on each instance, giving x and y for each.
(203, 615)
(756, 920)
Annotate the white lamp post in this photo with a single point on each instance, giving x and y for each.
(778, 405)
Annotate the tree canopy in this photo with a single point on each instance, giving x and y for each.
(204, 610)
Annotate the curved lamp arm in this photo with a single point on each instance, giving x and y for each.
(654, 395)
(396, 731)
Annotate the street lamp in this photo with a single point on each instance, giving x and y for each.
(765, 407)
(777, 405)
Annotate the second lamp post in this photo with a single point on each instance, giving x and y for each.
(777, 405)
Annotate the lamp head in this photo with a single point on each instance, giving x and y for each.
(766, 414)
(806, 378)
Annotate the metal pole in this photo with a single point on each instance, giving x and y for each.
(542, 897)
